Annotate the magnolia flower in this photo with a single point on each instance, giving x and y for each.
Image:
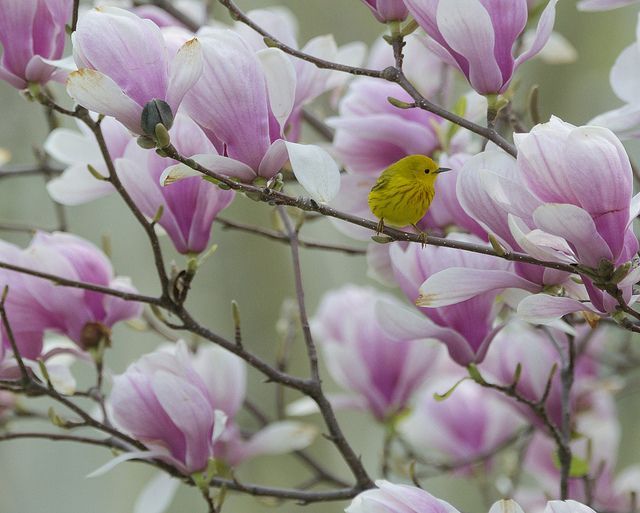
(309, 80)
(393, 498)
(567, 198)
(625, 79)
(183, 407)
(247, 131)
(35, 304)
(466, 328)
(478, 37)
(382, 371)
(31, 33)
(162, 401)
(387, 10)
(76, 185)
(190, 206)
(124, 63)
(473, 421)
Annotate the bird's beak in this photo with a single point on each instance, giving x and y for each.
(442, 169)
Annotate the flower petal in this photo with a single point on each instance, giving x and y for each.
(543, 32)
(184, 71)
(223, 165)
(99, 93)
(546, 309)
(457, 284)
(157, 494)
(315, 170)
(281, 83)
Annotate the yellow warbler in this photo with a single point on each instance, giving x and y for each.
(403, 192)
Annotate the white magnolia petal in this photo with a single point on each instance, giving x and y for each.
(280, 75)
(133, 455)
(77, 186)
(457, 284)
(217, 163)
(69, 147)
(157, 494)
(281, 437)
(315, 170)
(184, 71)
(568, 506)
(99, 93)
(545, 309)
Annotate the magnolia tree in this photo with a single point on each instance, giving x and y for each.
(500, 357)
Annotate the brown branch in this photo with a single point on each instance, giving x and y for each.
(281, 237)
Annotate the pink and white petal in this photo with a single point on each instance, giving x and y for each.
(350, 54)
(312, 81)
(576, 226)
(634, 209)
(99, 93)
(315, 170)
(625, 74)
(127, 456)
(117, 309)
(545, 309)
(457, 284)
(274, 159)
(543, 33)
(625, 121)
(539, 244)
(70, 147)
(156, 496)
(416, 499)
(280, 75)
(379, 266)
(216, 163)
(280, 438)
(185, 70)
(192, 414)
(557, 50)
(405, 324)
(467, 28)
(77, 186)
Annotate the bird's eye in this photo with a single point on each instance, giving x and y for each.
(426, 171)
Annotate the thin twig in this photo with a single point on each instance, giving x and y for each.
(280, 237)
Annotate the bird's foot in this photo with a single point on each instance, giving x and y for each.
(380, 227)
(422, 236)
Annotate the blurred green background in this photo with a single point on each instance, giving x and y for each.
(43, 476)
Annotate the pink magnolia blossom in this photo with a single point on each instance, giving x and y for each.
(466, 328)
(393, 498)
(249, 131)
(183, 407)
(163, 402)
(382, 371)
(189, 206)
(388, 10)
(31, 32)
(478, 36)
(471, 422)
(35, 304)
(567, 198)
(124, 63)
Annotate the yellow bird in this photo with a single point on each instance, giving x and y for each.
(404, 191)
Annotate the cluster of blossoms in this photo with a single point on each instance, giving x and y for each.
(501, 339)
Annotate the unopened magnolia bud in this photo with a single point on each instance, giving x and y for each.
(146, 142)
(162, 136)
(399, 103)
(154, 112)
(93, 333)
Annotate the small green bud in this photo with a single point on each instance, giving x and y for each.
(162, 136)
(223, 186)
(399, 103)
(96, 174)
(235, 312)
(154, 112)
(605, 268)
(620, 273)
(146, 142)
(497, 247)
(475, 375)
(56, 419)
(381, 239)
(271, 43)
(158, 216)
(260, 181)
